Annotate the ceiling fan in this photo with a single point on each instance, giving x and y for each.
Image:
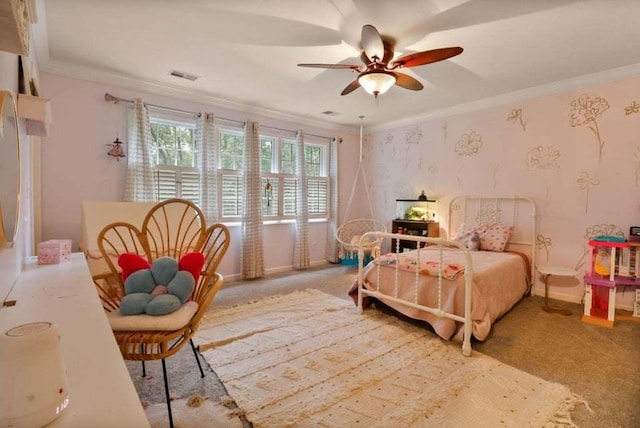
(377, 73)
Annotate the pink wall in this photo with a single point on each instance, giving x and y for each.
(551, 155)
(75, 166)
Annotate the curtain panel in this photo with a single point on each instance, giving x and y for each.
(251, 256)
(207, 148)
(301, 244)
(331, 248)
(140, 185)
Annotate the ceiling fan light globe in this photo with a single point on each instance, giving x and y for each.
(376, 82)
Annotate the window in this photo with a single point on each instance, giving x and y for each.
(175, 157)
(277, 168)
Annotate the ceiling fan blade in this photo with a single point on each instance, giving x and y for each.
(337, 66)
(351, 87)
(365, 58)
(371, 43)
(425, 57)
(407, 82)
(388, 52)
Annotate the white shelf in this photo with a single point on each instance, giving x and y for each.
(37, 111)
(100, 389)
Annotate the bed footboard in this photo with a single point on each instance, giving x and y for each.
(389, 293)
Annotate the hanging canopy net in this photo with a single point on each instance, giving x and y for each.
(349, 233)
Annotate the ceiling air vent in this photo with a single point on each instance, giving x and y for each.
(183, 75)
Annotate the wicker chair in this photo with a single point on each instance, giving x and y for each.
(171, 228)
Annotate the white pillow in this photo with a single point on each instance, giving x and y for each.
(170, 322)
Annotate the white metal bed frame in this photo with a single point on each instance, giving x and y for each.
(487, 209)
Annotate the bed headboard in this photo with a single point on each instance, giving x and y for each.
(519, 212)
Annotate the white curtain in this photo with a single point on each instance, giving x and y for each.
(140, 185)
(331, 249)
(301, 244)
(207, 149)
(251, 256)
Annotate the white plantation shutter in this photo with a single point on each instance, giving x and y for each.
(190, 186)
(177, 184)
(289, 196)
(166, 184)
(317, 190)
(232, 190)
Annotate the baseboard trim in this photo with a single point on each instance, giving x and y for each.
(572, 298)
(277, 270)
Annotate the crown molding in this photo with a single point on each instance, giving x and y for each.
(580, 82)
(184, 94)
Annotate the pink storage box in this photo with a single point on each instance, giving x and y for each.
(54, 251)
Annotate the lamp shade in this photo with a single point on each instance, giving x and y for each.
(376, 82)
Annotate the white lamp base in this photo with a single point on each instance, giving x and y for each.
(34, 390)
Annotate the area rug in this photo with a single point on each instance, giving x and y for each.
(309, 359)
(186, 415)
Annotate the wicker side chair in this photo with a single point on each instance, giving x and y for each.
(171, 228)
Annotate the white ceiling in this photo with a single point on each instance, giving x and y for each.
(246, 51)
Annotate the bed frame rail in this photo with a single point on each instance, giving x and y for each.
(420, 242)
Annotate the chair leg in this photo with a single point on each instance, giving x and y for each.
(166, 392)
(195, 353)
(144, 369)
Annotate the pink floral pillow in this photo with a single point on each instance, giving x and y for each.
(495, 237)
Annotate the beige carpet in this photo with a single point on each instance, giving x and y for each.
(309, 359)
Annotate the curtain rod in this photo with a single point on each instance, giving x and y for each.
(112, 98)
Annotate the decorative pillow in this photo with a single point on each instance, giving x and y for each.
(465, 232)
(170, 322)
(473, 243)
(495, 237)
(161, 287)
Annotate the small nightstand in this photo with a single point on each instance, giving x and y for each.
(546, 272)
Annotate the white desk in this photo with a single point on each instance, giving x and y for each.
(101, 393)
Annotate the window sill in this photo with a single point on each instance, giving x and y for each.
(272, 222)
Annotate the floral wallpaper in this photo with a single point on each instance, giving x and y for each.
(577, 154)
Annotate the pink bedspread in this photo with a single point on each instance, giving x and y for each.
(499, 282)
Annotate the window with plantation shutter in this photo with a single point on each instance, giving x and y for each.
(176, 174)
(174, 155)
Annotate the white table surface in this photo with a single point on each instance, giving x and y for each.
(555, 270)
(101, 393)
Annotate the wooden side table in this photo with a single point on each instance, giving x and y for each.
(546, 272)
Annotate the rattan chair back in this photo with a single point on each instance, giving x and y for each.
(173, 228)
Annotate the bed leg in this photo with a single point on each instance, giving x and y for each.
(466, 348)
